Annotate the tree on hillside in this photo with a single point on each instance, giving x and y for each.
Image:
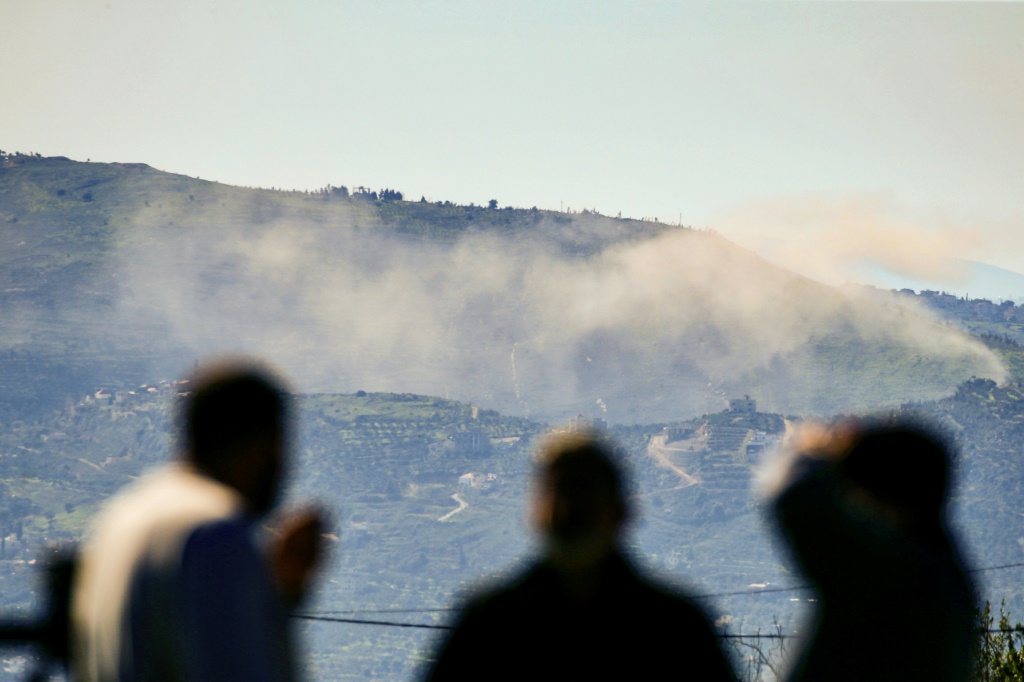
(766, 656)
(1001, 654)
(762, 656)
(492, 204)
(365, 193)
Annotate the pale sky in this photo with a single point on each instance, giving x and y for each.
(766, 121)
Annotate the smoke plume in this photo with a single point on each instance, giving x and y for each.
(564, 316)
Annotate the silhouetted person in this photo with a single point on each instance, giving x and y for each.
(862, 507)
(581, 612)
(173, 584)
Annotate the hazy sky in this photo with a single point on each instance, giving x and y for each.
(854, 130)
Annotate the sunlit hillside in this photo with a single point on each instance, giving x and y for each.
(118, 274)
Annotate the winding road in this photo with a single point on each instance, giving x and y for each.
(462, 505)
(659, 452)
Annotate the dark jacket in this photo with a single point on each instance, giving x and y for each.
(533, 629)
(893, 603)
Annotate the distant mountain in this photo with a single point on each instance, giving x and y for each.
(980, 280)
(120, 274)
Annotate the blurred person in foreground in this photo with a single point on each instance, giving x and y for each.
(862, 507)
(174, 583)
(582, 611)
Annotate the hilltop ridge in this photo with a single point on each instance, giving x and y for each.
(120, 274)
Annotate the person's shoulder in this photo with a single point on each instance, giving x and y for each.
(220, 558)
(516, 591)
(138, 492)
(231, 537)
(164, 507)
(128, 518)
(666, 597)
(667, 617)
(171, 491)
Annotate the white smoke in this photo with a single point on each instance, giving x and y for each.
(833, 239)
(544, 321)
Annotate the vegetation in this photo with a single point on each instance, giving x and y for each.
(387, 466)
(76, 315)
(82, 414)
(65, 225)
(1000, 658)
(1001, 654)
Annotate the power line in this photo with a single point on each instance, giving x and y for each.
(722, 635)
(357, 612)
(441, 609)
(386, 623)
(330, 616)
(795, 588)
(1006, 565)
(756, 635)
(427, 626)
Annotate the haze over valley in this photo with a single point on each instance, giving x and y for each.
(430, 345)
(124, 273)
(457, 227)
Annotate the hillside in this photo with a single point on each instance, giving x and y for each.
(119, 274)
(388, 465)
(988, 423)
(1000, 326)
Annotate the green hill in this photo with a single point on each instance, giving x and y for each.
(387, 467)
(119, 274)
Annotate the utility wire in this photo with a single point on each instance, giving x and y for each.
(441, 609)
(427, 626)
(726, 635)
(794, 588)
(995, 568)
(386, 623)
(329, 616)
(357, 612)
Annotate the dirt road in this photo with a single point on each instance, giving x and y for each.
(660, 452)
(462, 505)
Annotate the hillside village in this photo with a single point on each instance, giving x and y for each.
(428, 492)
(427, 487)
(976, 315)
(108, 437)
(98, 264)
(719, 450)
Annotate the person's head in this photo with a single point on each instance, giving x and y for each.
(903, 466)
(234, 420)
(580, 505)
